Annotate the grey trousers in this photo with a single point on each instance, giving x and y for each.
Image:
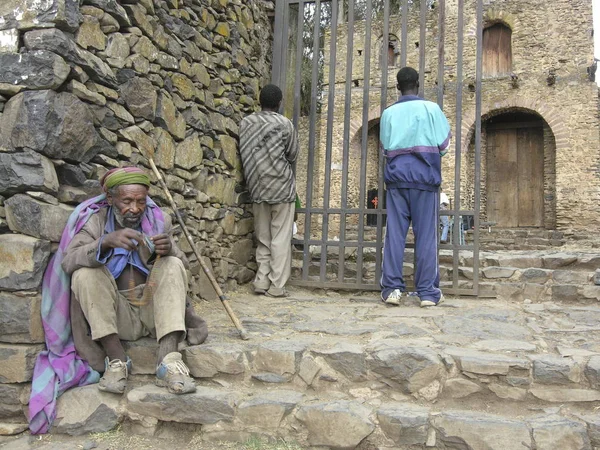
(273, 229)
(108, 310)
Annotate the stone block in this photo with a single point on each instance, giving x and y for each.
(9, 40)
(592, 372)
(20, 318)
(11, 429)
(347, 359)
(113, 8)
(278, 357)
(557, 432)
(188, 154)
(220, 189)
(244, 226)
(205, 406)
(32, 217)
(143, 354)
(39, 69)
(591, 292)
(90, 34)
(557, 260)
(83, 410)
(565, 292)
(487, 364)
(241, 251)
(23, 261)
(508, 392)
(459, 388)
(535, 275)
(413, 368)
(478, 431)
(141, 98)
(405, 424)
(266, 411)
(23, 14)
(565, 395)
(66, 133)
(17, 362)
(593, 426)
(341, 424)
(498, 272)
(20, 172)
(482, 328)
(309, 369)
(10, 403)
(164, 156)
(208, 360)
(549, 369)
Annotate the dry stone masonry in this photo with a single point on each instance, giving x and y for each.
(91, 85)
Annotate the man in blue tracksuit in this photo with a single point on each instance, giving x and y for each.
(415, 134)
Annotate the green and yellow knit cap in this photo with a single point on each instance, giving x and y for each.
(122, 176)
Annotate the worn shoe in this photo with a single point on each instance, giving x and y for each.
(426, 302)
(277, 292)
(115, 376)
(173, 374)
(393, 298)
(259, 291)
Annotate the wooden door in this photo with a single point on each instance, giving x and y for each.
(515, 176)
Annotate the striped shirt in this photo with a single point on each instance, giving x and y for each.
(268, 148)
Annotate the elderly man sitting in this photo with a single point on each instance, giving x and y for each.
(129, 279)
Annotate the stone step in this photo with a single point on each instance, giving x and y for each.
(364, 417)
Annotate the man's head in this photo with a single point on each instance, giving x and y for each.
(408, 80)
(126, 191)
(270, 97)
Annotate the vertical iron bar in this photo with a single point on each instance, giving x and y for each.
(457, 152)
(478, 79)
(284, 57)
(278, 44)
(329, 139)
(441, 51)
(422, 43)
(311, 136)
(346, 142)
(299, 60)
(380, 159)
(365, 141)
(404, 38)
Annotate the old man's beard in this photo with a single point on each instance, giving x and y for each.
(128, 220)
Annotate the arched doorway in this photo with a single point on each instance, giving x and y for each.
(518, 170)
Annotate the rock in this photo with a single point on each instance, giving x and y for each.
(38, 69)
(208, 360)
(405, 424)
(164, 156)
(508, 392)
(66, 133)
(38, 219)
(17, 362)
(498, 272)
(205, 406)
(556, 432)
(83, 410)
(592, 292)
(9, 40)
(499, 345)
(265, 411)
(459, 388)
(555, 370)
(556, 260)
(413, 368)
(482, 329)
(141, 98)
(168, 118)
(74, 196)
(480, 431)
(220, 189)
(309, 369)
(11, 429)
(278, 357)
(487, 364)
(11, 406)
(89, 34)
(20, 318)
(564, 395)
(24, 14)
(244, 227)
(346, 359)
(592, 372)
(593, 425)
(143, 354)
(337, 425)
(565, 292)
(138, 138)
(57, 42)
(85, 94)
(229, 152)
(20, 172)
(117, 46)
(23, 261)
(189, 154)
(113, 8)
(267, 377)
(185, 87)
(241, 251)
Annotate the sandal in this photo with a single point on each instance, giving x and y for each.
(173, 374)
(115, 376)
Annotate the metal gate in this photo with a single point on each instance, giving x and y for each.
(336, 61)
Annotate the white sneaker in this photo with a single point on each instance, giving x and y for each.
(425, 303)
(393, 298)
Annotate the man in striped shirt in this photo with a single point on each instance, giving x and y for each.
(268, 148)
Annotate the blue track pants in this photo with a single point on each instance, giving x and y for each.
(421, 208)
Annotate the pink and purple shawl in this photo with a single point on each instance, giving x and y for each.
(59, 367)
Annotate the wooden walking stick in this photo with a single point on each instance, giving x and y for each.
(205, 268)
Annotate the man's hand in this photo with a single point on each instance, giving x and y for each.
(123, 238)
(162, 244)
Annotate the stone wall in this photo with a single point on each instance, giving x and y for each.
(549, 40)
(85, 88)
